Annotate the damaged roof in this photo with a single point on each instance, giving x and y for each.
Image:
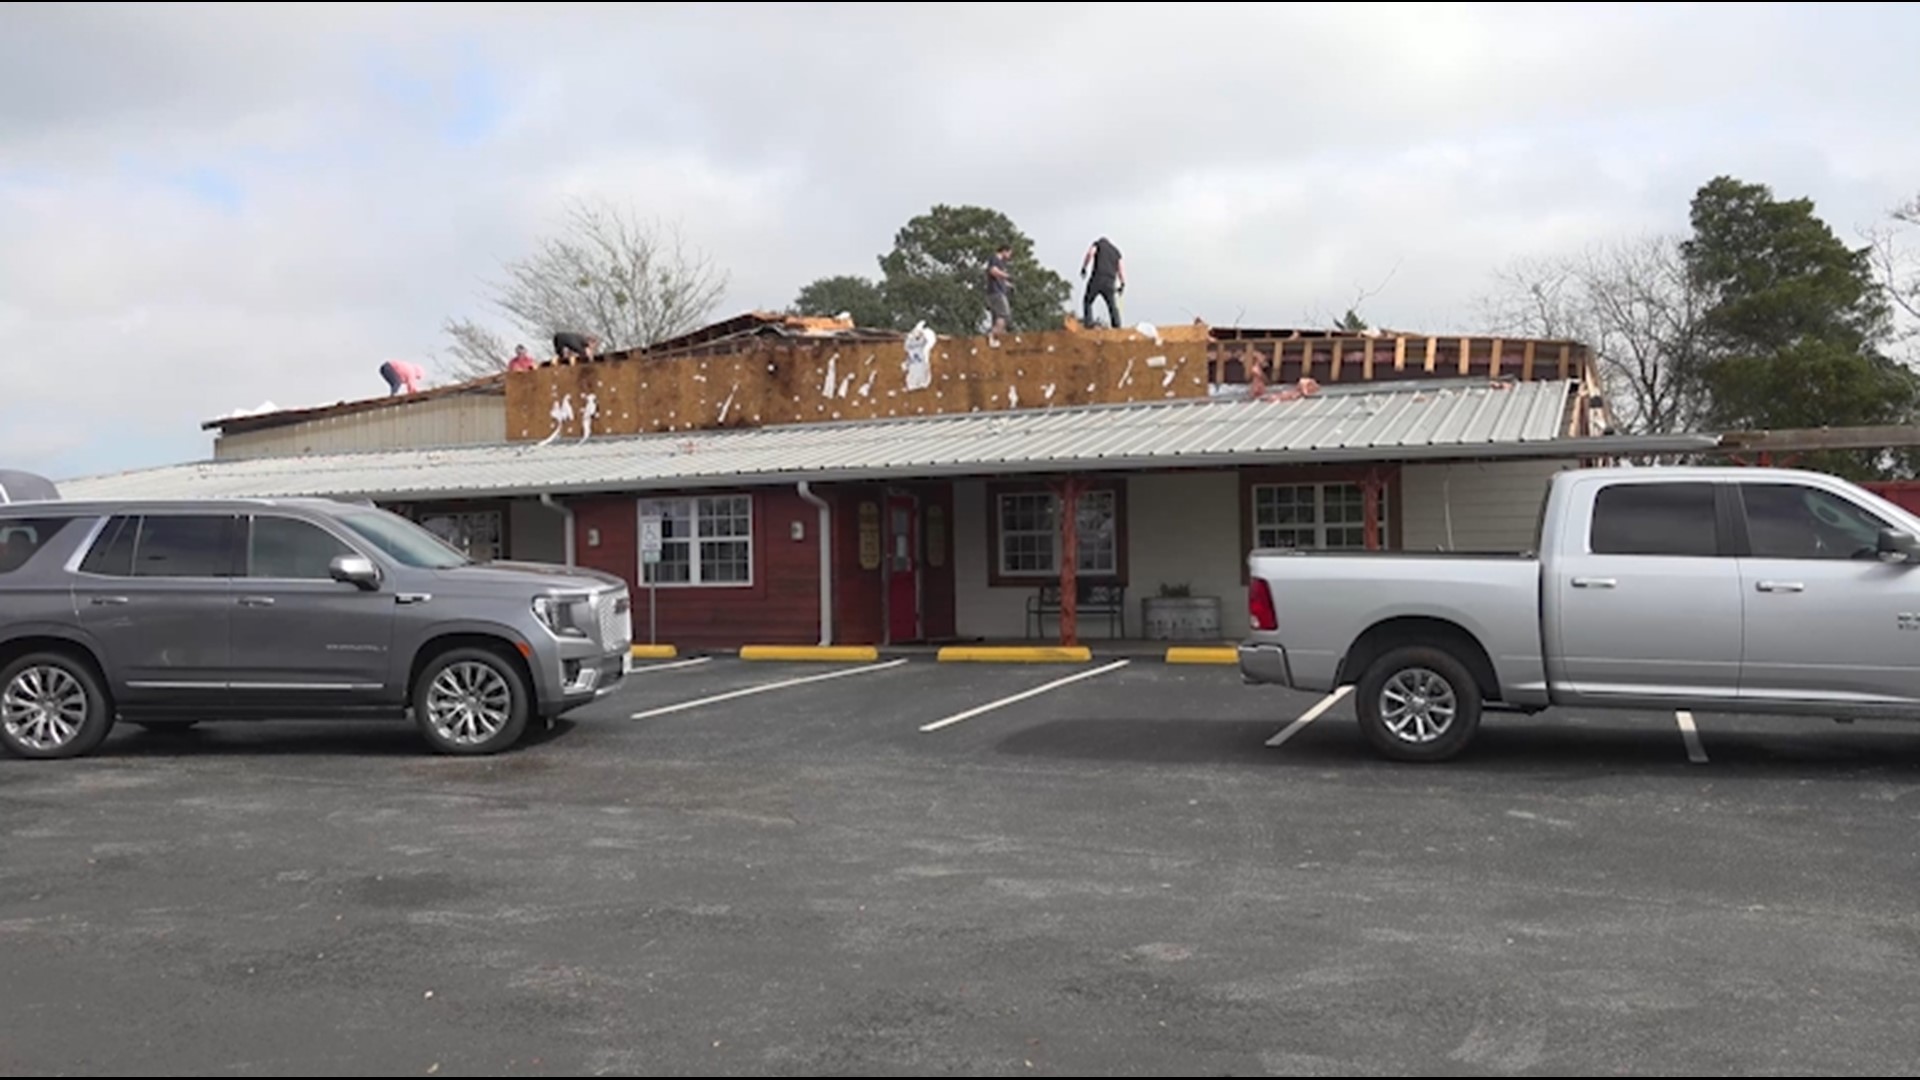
(1395, 422)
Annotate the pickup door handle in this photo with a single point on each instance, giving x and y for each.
(107, 601)
(1781, 586)
(256, 601)
(411, 598)
(1594, 583)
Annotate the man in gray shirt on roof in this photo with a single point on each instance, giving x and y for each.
(1000, 289)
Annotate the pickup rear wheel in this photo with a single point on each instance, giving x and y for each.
(52, 706)
(471, 701)
(1418, 703)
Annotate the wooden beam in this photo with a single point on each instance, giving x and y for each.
(1466, 354)
(1526, 363)
(1367, 367)
(1399, 354)
(1566, 360)
(1333, 372)
(1493, 364)
(1433, 353)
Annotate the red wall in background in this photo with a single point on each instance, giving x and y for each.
(1902, 493)
(781, 607)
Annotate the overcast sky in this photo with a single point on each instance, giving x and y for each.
(205, 207)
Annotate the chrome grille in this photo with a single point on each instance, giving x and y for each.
(615, 610)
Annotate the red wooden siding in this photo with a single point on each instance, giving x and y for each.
(781, 607)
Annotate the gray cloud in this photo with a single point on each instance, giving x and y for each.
(203, 207)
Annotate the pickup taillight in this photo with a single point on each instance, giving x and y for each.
(1260, 611)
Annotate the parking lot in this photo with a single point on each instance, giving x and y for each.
(923, 868)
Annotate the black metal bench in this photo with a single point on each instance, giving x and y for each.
(1095, 598)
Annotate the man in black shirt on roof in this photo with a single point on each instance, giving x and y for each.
(1109, 280)
(569, 346)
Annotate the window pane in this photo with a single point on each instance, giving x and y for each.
(724, 562)
(1099, 548)
(1655, 519)
(22, 538)
(1791, 521)
(185, 546)
(285, 548)
(112, 553)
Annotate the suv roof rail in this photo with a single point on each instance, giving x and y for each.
(19, 487)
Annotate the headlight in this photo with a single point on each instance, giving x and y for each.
(564, 615)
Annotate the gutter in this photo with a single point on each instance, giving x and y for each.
(566, 514)
(825, 531)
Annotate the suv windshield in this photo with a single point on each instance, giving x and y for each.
(407, 543)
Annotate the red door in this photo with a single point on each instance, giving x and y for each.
(903, 570)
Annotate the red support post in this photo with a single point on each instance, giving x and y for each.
(1068, 490)
(1370, 488)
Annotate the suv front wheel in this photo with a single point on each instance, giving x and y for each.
(471, 701)
(52, 706)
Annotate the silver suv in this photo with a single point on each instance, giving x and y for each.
(169, 613)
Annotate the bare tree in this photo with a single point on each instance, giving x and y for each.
(1631, 302)
(607, 273)
(1897, 263)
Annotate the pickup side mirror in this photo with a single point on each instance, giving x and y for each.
(1898, 546)
(355, 570)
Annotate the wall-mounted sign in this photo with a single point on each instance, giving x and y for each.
(936, 536)
(869, 536)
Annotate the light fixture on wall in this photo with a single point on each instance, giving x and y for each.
(593, 537)
(798, 530)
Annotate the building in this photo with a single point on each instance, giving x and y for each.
(813, 482)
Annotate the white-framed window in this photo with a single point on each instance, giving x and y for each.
(1327, 517)
(1030, 534)
(476, 533)
(704, 540)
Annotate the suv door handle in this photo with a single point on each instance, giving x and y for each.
(412, 597)
(1594, 583)
(1781, 586)
(256, 601)
(107, 601)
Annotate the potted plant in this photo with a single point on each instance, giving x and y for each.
(1178, 615)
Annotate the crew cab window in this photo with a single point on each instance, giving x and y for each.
(1655, 519)
(22, 538)
(1793, 521)
(292, 550)
(165, 545)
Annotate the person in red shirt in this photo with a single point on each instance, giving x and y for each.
(522, 360)
(402, 375)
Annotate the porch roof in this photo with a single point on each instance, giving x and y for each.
(1392, 422)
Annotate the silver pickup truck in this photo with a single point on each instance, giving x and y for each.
(1736, 590)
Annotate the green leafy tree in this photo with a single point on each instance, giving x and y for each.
(1352, 323)
(937, 271)
(847, 294)
(1794, 324)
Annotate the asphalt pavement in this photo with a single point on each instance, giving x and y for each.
(912, 868)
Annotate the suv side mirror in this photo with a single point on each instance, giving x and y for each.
(1897, 546)
(356, 570)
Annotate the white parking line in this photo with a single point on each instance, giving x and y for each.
(668, 666)
(1311, 715)
(1022, 696)
(1696, 753)
(865, 669)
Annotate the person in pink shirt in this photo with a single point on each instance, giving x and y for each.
(402, 375)
(522, 360)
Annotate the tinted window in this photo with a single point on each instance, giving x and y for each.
(407, 543)
(285, 548)
(22, 538)
(185, 545)
(1655, 519)
(112, 552)
(1789, 521)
